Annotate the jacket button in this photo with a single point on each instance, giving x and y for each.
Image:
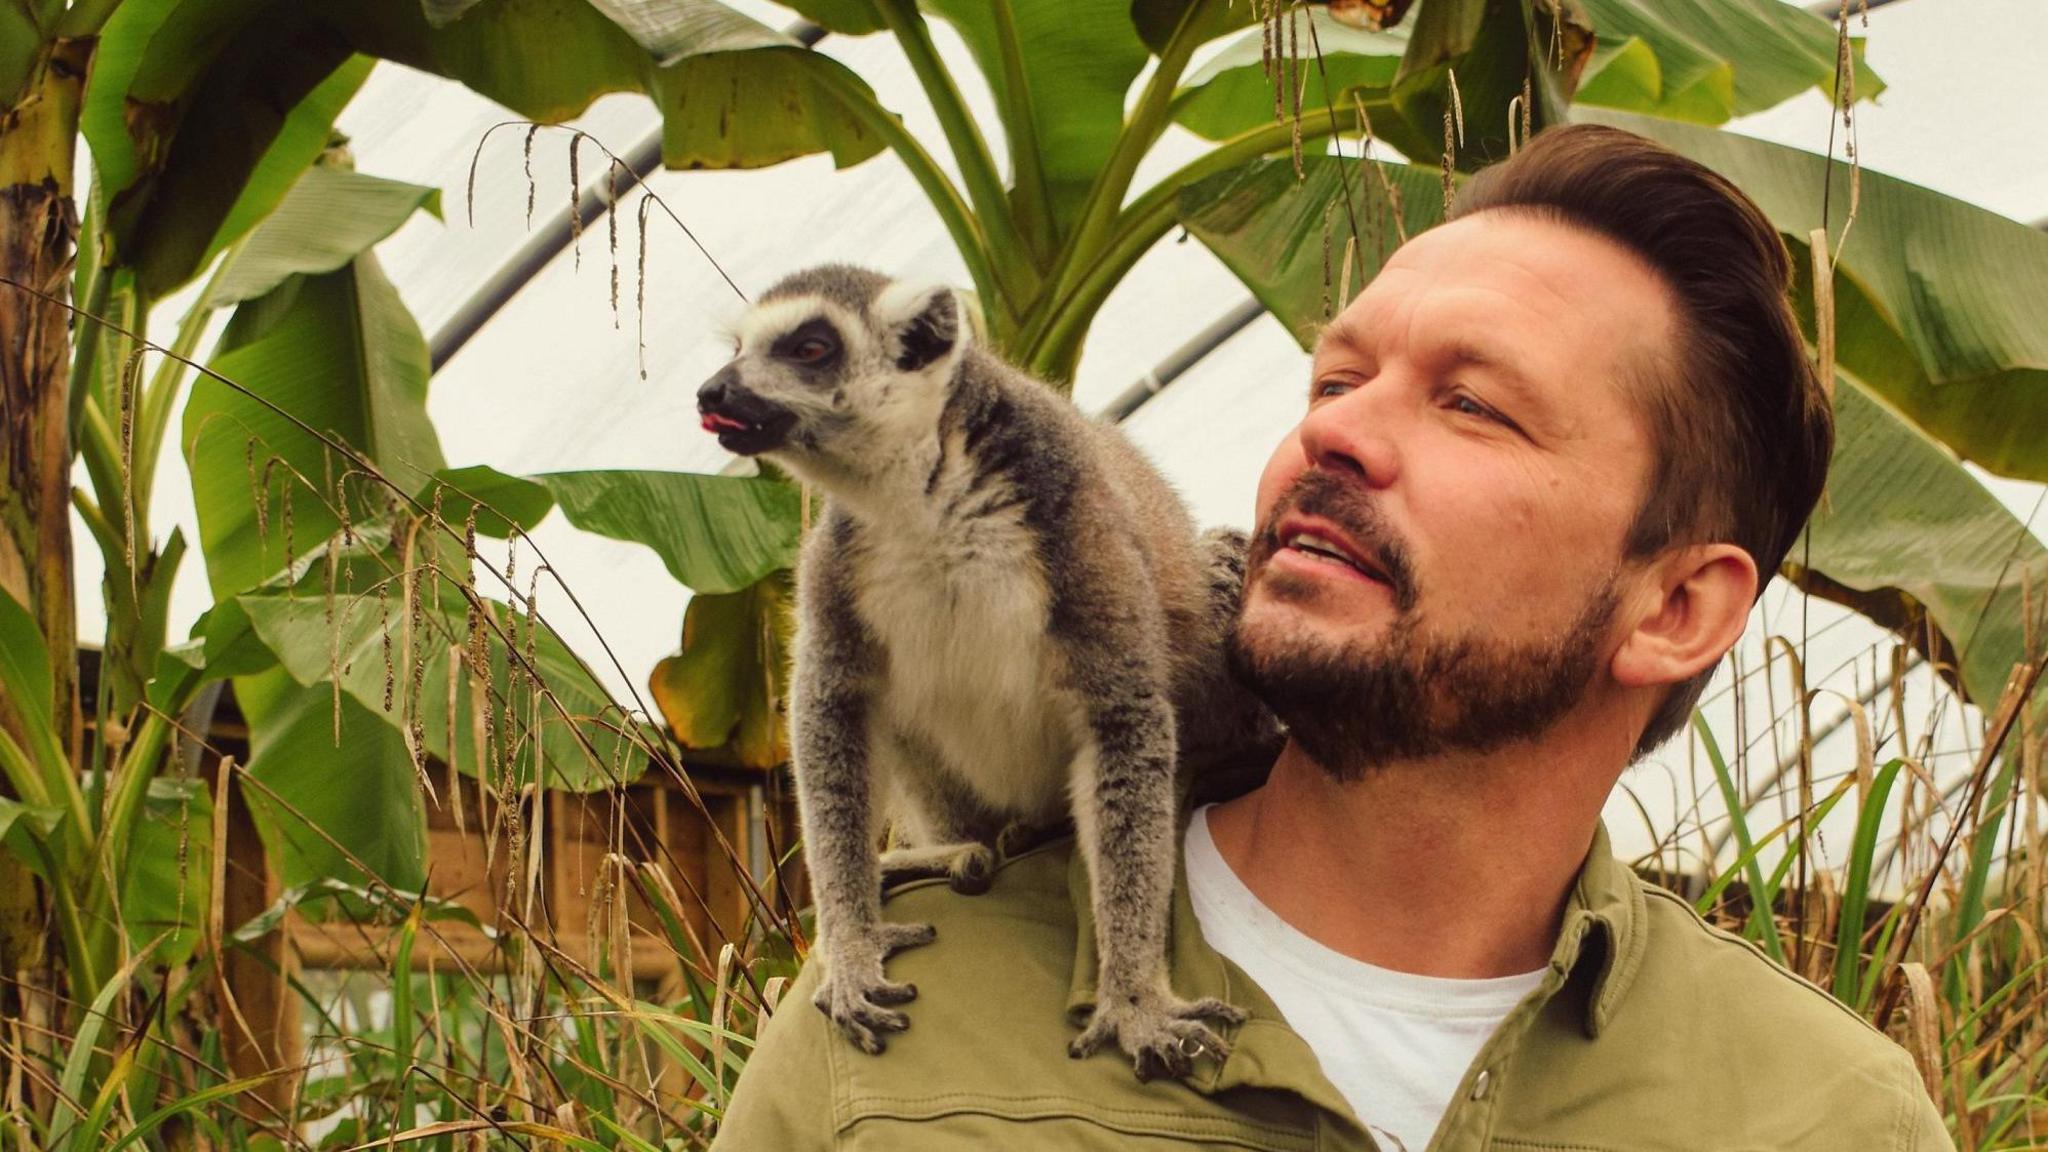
(1482, 1084)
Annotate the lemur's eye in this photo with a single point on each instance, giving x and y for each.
(812, 342)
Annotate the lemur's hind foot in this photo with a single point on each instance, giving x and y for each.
(855, 993)
(1161, 1033)
(969, 867)
(1019, 836)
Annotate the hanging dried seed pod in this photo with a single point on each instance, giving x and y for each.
(611, 223)
(1327, 209)
(575, 205)
(290, 551)
(390, 665)
(531, 187)
(640, 286)
(259, 494)
(1297, 82)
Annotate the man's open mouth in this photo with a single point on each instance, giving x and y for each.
(1324, 546)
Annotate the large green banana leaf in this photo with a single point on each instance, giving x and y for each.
(332, 789)
(200, 112)
(715, 534)
(726, 691)
(248, 93)
(1905, 532)
(1060, 73)
(335, 353)
(1674, 60)
(1941, 306)
(330, 216)
(1904, 535)
(1709, 60)
(1231, 92)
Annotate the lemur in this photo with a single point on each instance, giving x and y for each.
(1004, 618)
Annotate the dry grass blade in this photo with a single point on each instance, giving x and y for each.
(2019, 689)
(1923, 1025)
(1823, 311)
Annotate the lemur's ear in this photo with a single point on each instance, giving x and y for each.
(923, 325)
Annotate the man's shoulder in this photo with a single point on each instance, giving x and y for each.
(986, 1047)
(1715, 1044)
(1740, 995)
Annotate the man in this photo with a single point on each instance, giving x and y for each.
(1549, 455)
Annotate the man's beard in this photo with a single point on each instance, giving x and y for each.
(1409, 692)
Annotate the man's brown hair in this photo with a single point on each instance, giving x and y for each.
(1741, 427)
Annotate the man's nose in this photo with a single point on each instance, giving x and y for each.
(1357, 432)
(713, 393)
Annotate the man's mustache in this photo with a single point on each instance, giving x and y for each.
(1321, 493)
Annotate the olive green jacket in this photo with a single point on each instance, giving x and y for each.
(1650, 1031)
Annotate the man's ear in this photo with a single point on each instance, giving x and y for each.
(1698, 600)
(923, 325)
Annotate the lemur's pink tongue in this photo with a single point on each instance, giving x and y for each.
(713, 422)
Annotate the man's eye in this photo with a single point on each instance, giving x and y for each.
(1328, 388)
(1470, 407)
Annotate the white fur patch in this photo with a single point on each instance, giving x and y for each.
(764, 322)
(899, 302)
(962, 610)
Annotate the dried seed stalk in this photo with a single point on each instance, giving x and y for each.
(412, 576)
(1269, 48)
(333, 641)
(259, 494)
(575, 205)
(1327, 209)
(437, 522)
(1344, 277)
(1823, 311)
(1393, 192)
(130, 373)
(640, 287)
(531, 187)
(342, 514)
(390, 664)
(1528, 106)
(611, 223)
(1296, 83)
(454, 777)
(290, 547)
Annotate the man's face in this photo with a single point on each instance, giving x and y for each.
(1474, 449)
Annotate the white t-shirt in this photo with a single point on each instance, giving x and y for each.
(1394, 1043)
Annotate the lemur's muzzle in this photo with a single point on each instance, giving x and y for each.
(743, 422)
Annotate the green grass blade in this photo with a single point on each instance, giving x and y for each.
(85, 1049)
(1762, 927)
(1856, 887)
(193, 1102)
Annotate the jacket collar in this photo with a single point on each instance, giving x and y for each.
(1603, 929)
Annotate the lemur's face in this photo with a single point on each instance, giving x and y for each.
(831, 374)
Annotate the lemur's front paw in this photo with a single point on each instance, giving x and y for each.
(855, 993)
(1161, 1033)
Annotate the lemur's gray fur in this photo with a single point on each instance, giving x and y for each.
(1002, 610)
